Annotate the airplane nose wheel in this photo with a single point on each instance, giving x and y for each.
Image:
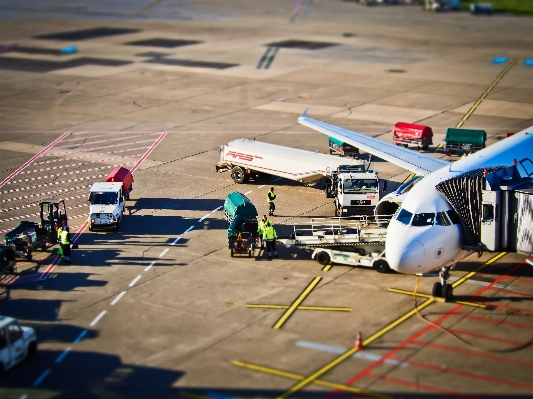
(442, 289)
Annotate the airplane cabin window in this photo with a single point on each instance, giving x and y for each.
(404, 217)
(442, 219)
(423, 219)
(454, 217)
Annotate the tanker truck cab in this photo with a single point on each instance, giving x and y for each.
(106, 206)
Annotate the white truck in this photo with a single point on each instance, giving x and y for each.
(354, 242)
(16, 343)
(106, 206)
(246, 158)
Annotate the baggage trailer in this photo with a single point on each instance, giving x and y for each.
(356, 241)
(26, 238)
(465, 140)
(124, 176)
(342, 148)
(411, 135)
(241, 216)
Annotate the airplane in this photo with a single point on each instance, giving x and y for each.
(426, 233)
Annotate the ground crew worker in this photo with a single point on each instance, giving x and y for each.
(261, 229)
(64, 243)
(59, 231)
(271, 199)
(269, 235)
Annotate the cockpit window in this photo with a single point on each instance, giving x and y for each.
(404, 217)
(423, 219)
(454, 217)
(442, 219)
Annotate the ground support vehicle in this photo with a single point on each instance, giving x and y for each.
(464, 140)
(411, 135)
(354, 241)
(8, 259)
(342, 148)
(25, 238)
(356, 189)
(441, 5)
(241, 216)
(124, 176)
(53, 215)
(246, 158)
(16, 343)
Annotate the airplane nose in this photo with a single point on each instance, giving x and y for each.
(408, 259)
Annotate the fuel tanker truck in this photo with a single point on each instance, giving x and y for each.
(353, 183)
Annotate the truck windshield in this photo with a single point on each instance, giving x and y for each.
(103, 198)
(360, 185)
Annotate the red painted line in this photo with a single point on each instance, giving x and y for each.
(51, 184)
(522, 280)
(33, 158)
(498, 359)
(512, 292)
(486, 337)
(103, 147)
(140, 161)
(486, 320)
(509, 308)
(425, 387)
(102, 141)
(463, 373)
(92, 155)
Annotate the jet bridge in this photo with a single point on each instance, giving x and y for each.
(495, 206)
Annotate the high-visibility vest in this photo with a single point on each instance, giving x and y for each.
(271, 196)
(269, 234)
(65, 238)
(59, 231)
(262, 225)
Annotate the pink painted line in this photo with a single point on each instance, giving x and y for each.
(35, 214)
(102, 141)
(104, 147)
(140, 161)
(66, 190)
(16, 190)
(33, 158)
(92, 155)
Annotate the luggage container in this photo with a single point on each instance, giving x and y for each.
(411, 135)
(25, 238)
(241, 216)
(342, 148)
(465, 140)
(124, 176)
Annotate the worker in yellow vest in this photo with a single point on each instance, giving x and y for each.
(271, 198)
(269, 235)
(64, 242)
(261, 229)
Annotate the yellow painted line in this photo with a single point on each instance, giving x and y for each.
(474, 107)
(265, 306)
(439, 146)
(350, 352)
(294, 376)
(484, 265)
(327, 268)
(296, 303)
(267, 58)
(418, 294)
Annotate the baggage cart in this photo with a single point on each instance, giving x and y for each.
(241, 216)
(464, 140)
(342, 148)
(26, 238)
(411, 135)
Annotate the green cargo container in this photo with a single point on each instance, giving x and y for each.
(464, 139)
(238, 204)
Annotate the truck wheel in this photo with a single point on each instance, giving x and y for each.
(117, 226)
(232, 252)
(381, 266)
(238, 175)
(323, 258)
(32, 351)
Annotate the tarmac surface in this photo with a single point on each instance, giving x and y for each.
(159, 308)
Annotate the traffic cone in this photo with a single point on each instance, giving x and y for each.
(359, 342)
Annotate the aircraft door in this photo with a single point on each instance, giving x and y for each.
(490, 220)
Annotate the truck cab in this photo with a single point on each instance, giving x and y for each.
(16, 343)
(106, 206)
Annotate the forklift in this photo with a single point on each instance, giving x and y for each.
(53, 216)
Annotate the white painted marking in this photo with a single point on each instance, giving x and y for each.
(173, 243)
(262, 186)
(62, 356)
(247, 193)
(163, 253)
(41, 378)
(202, 219)
(216, 209)
(98, 318)
(135, 280)
(118, 298)
(189, 229)
(80, 337)
(148, 268)
(339, 350)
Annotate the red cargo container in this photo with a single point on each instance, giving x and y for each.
(411, 135)
(124, 176)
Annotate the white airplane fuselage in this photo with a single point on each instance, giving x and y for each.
(421, 245)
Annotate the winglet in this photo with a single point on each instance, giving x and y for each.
(304, 114)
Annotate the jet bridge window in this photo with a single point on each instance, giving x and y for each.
(423, 219)
(404, 217)
(442, 219)
(488, 213)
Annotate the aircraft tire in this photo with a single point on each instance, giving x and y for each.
(437, 290)
(381, 266)
(447, 291)
(323, 258)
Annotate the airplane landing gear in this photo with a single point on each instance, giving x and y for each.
(442, 289)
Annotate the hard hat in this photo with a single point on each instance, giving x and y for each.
(66, 228)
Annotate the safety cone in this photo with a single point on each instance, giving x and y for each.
(359, 342)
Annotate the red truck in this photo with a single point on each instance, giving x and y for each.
(411, 135)
(124, 176)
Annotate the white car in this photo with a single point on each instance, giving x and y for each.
(16, 343)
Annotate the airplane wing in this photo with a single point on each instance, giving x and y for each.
(413, 161)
